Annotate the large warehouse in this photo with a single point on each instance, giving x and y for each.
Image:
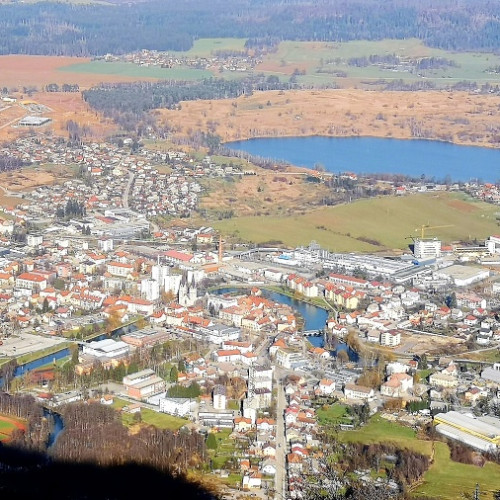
(482, 433)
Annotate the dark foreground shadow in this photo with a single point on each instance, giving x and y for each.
(25, 475)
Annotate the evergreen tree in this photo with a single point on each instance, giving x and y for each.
(211, 442)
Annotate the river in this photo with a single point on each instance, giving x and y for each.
(314, 317)
(434, 159)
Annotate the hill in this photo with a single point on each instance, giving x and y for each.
(377, 224)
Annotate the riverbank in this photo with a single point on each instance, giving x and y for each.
(456, 117)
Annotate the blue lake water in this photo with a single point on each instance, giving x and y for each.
(377, 155)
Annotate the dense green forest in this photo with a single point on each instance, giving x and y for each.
(75, 29)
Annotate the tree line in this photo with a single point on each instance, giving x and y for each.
(93, 433)
(85, 30)
(128, 103)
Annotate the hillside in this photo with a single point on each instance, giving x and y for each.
(372, 225)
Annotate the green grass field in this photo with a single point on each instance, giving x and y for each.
(136, 71)
(380, 430)
(5, 426)
(150, 417)
(448, 480)
(445, 479)
(333, 415)
(205, 47)
(225, 449)
(6, 429)
(390, 221)
(316, 59)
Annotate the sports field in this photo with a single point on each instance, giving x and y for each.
(373, 224)
(7, 426)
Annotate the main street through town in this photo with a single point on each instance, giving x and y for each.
(280, 477)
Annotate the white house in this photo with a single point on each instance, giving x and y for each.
(390, 338)
(354, 391)
(326, 387)
(175, 406)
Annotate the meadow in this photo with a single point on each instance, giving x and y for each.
(372, 225)
(445, 479)
(323, 62)
(149, 417)
(317, 63)
(125, 69)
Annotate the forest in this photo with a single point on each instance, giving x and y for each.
(128, 103)
(93, 29)
(94, 444)
(138, 97)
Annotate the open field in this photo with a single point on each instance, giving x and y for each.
(445, 479)
(333, 415)
(324, 62)
(61, 108)
(150, 417)
(268, 193)
(205, 47)
(20, 71)
(125, 69)
(448, 480)
(317, 63)
(380, 430)
(457, 117)
(31, 177)
(8, 425)
(488, 356)
(390, 221)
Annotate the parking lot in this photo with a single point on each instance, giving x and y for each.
(26, 343)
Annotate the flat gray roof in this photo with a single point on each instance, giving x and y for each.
(472, 424)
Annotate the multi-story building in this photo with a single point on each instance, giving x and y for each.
(143, 384)
(427, 248)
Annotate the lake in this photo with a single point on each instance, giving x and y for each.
(363, 155)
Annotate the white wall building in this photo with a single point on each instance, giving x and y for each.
(219, 396)
(427, 248)
(179, 407)
(107, 348)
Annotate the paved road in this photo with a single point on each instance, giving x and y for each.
(280, 477)
(126, 192)
(125, 197)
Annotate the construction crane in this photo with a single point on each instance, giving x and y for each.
(423, 227)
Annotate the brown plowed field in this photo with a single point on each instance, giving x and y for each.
(23, 71)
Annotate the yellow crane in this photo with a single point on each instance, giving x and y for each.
(423, 227)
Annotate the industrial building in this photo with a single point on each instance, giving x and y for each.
(482, 433)
(145, 337)
(33, 121)
(106, 349)
(463, 275)
(143, 384)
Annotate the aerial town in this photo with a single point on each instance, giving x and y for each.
(262, 350)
